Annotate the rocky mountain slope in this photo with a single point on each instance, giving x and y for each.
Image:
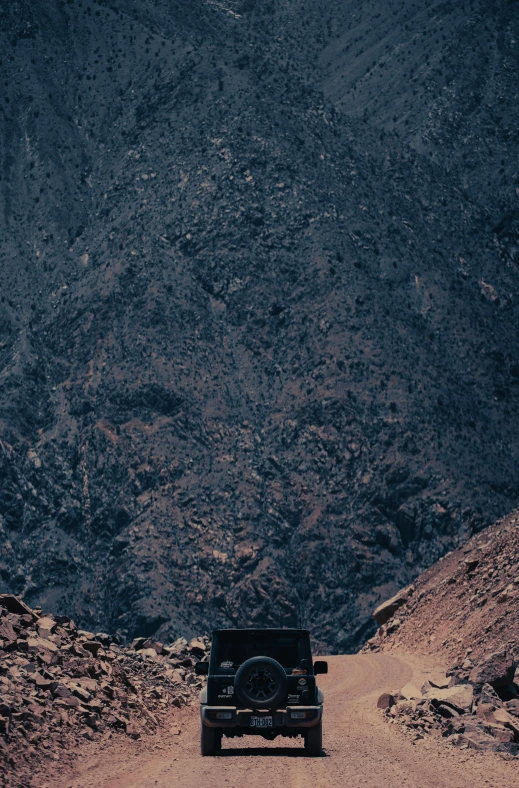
(465, 611)
(258, 346)
(465, 605)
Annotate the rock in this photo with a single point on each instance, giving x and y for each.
(7, 633)
(440, 681)
(485, 711)
(497, 670)
(15, 605)
(174, 676)
(158, 647)
(83, 634)
(197, 647)
(387, 609)
(179, 646)
(410, 692)
(456, 725)
(149, 653)
(476, 741)
(61, 691)
(70, 701)
(512, 749)
(509, 722)
(471, 563)
(385, 701)
(512, 706)
(498, 717)
(459, 698)
(132, 731)
(499, 732)
(105, 640)
(92, 646)
(78, 692)
(489, 695)
(447, 712)
(39, 645)
(47, 625)
(41, 682)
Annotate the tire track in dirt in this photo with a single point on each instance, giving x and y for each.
(360, 749)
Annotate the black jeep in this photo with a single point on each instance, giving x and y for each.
(261, 682)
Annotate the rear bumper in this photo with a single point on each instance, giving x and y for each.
(213, 717)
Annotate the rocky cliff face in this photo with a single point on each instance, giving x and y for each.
(258, 337)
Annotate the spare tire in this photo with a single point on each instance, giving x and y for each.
(260, 683)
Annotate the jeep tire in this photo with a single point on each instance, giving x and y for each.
(314, 740)
(260, 683)
(210, 740)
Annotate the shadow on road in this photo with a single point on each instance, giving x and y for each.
(268, 752)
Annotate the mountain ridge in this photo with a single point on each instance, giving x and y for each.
(258, 359)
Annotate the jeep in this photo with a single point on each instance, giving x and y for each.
(261, 682)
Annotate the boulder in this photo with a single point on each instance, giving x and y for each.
(410, 692)
(92, 646)
(387, 609)
(459, 698)
(489, 695)
(497, 670)
(149, 653)
(197, 647)
(476, 741)
(7, 632)
(39, 645)
(46, 625)
(154, 644)
(40, 681)
(499, 717)
(83, 634)
(385, 701)
(499, 732)
(14, 605)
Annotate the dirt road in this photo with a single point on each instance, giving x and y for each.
(361, 750)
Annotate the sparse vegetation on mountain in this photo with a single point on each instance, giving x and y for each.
(258, 340)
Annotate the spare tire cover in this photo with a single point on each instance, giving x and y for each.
(260, 682)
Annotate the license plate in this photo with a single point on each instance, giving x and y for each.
(261, 722)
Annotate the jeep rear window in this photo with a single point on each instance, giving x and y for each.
(232, 649)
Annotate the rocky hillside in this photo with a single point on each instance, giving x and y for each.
(463, 606)
(258, 346)
(60, 687)
(465, 611)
